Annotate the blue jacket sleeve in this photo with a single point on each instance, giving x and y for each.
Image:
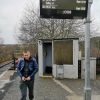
(35, 65)
(19, 68)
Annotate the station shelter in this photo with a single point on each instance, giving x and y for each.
(58, 57)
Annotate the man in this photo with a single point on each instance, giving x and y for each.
(27, 68)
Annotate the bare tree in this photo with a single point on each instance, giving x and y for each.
(32, 27)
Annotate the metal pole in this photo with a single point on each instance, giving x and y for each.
(14, 61)
(87, 88)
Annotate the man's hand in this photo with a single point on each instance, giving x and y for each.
(23, 78)
(28, 78)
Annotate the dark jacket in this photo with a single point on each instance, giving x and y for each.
(33, 67)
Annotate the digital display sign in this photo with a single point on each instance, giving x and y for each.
(63, 9)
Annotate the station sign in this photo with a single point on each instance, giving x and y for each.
(63, 9)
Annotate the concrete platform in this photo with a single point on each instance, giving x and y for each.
(7, 75)
(53, 89)
(6, 79)
(76, 97)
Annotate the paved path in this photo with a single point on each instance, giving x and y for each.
(45, 89)
(5, 82)
(51, 89)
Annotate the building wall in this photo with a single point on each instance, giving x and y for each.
(70, 71)
(95, 47)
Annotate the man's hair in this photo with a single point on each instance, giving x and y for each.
(25, 51)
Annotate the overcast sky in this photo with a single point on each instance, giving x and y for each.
(11, 12)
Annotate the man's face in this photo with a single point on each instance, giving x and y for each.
(26, 55)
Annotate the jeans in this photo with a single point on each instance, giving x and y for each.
(23, 87)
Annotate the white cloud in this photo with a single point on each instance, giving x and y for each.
(10, 13)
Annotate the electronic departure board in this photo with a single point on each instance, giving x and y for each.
(63, 9)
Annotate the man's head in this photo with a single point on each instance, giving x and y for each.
(26, 55)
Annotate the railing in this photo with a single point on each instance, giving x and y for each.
(3, 65)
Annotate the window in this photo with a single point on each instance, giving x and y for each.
(63, 52)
